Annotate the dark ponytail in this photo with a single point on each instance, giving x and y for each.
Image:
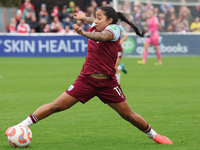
(123, 18)
(111, 13)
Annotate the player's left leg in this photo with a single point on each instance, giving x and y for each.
(135, 119)
(117, 74)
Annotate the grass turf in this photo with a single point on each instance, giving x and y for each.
(166, 96)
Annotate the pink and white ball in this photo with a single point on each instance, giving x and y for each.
(19, 136)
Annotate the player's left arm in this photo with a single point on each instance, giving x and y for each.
(125, 37)
(81, 16)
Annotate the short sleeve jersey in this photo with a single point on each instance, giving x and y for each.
(153, 25)
(101, 56)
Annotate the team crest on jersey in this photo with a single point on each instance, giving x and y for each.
(114, 27)
(70, 88)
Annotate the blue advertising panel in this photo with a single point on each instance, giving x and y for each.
(43, 46)
(170, 45)
(76, 45)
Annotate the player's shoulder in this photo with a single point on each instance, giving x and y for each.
(113, 27)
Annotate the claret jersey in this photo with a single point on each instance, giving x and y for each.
(101, 56)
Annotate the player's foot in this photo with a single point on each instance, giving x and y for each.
(123, 68)
(158, 63)
(162, 139)
(141, 62)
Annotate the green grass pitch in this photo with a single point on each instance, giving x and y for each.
(167, 96)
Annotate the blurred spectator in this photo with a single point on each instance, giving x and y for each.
(43, 13)
(90, 11)
(104, 3)
(182, 28)
(60, 29)
(77, 9)
(42, 24)
(23, 27)
(138, 24)
(156, 11)
(28, 12)
(170, 29)
(34, 25)
(63, 14)
(68, 22)
(149, 6)
(127, 7)
(161, 19)
(165, 7)
(12, 26)
(68, 30)
(185, 16)
(137, 11)
(47, 29)
(171, 10)
(27, 2)
(94, 4)
(195, 26)
(120, 8)
(143, 20)
(176, 18)
(18, 16)
(55, 12)
(172, 22)
(54, 26)
(196, 11)
(86, 26)
(28, 18)
(71, 8)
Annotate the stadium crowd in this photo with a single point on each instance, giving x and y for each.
(60, 20)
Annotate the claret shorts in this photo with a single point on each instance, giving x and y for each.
(86, 87)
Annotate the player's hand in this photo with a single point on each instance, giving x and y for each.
(79, 15)
(148, 34)
(78, 29)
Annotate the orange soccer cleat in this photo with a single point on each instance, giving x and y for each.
(162, 139)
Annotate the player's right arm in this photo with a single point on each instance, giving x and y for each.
(81, 16)
(95, 36)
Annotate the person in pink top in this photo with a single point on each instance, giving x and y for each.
(152, 39)
(97, 76)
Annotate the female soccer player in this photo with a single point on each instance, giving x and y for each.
(153, 39)
(97, 76)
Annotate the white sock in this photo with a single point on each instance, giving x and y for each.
(119, 68)
(151, 134)
(118, 77)
(27, 122)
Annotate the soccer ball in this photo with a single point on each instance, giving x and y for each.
(19, 136)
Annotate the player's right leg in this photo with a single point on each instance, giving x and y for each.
(63, 102)
(135, 119)
(145, 53)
